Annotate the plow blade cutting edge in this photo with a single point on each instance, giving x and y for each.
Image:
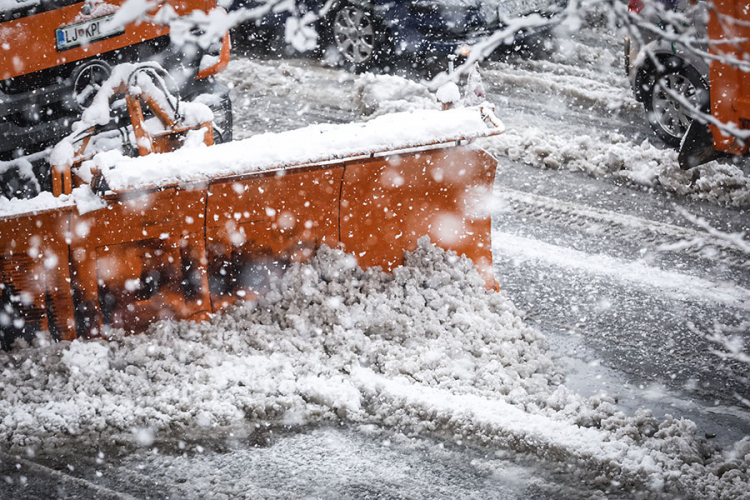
(184, 234)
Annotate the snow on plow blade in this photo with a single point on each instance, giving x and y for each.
(184, 234)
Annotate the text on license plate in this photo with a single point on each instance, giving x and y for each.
(86, 32)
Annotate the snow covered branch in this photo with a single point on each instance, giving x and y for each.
(483, 49)
(205, 28)
(736, 240)
(730, 339)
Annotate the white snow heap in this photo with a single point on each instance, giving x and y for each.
(376, 95)
(293, 350)
(63, 153)
(43, 201)
(613, 154)
(81, 198)
(448, 93)
(424, 348)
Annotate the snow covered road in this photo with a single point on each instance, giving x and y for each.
(607, 251)
(609, 290)
(624, 286)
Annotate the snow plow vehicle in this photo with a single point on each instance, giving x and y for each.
(55, 55)
(170, 225)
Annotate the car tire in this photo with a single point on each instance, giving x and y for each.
(223, 122)
(359, 38)
(669, 118)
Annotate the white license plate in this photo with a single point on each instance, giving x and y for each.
(86, 32)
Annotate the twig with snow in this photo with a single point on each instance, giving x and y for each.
(736, 240)
(483, 49)
(729, 338)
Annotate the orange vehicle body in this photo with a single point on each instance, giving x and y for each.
(729, 33)
(53, 53)
(33, 33)
(184, 252)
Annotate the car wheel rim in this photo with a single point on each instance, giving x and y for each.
(671, 114)
(354, 35)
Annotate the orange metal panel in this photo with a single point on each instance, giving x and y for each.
(387, 204)
(258, 225)
(139, 260)
(34, 266)
(32, 43)
(730, 86)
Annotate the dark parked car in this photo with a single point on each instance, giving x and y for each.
(368, 32)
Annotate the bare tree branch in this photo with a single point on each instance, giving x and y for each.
(736, 240)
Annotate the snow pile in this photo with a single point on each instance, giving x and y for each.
(378, 95)
(246, 76)
(426, 348)
(24, 167)
(288, 356)
(43, 201)
(82, 197)
(10, 5)
(612, 154)
(448, 93)
(574, 53)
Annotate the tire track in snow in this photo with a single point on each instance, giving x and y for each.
(612, 79)
(619, 225)
(503, 425)
(676, 285)
(602, 292)
(81, 486)
(580, 89)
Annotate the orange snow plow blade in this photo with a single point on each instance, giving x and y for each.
(185, 234)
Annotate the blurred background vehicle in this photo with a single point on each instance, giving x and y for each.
(658, 64)
(361, 34)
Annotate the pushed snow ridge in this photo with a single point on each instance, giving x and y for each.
(425, 349)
